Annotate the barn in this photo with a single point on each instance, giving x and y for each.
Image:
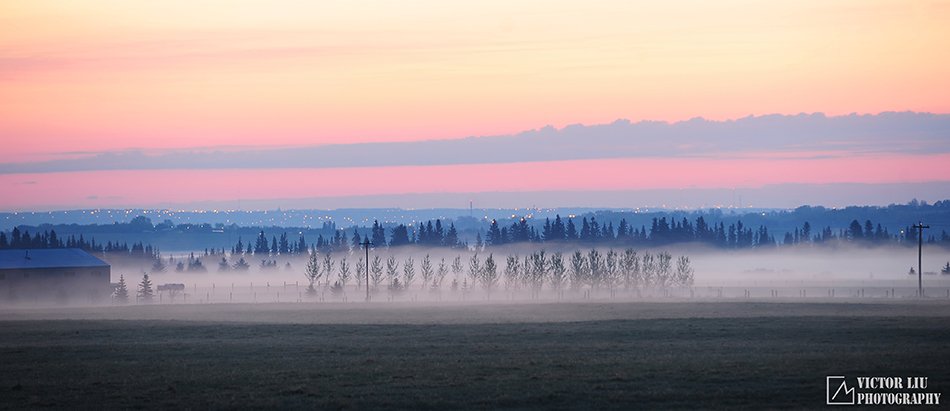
(62, 275)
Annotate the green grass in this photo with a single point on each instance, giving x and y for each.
(775, 362)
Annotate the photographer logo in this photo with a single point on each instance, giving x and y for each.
(839, 390)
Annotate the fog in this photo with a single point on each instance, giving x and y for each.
(523, 273)
(804, 272)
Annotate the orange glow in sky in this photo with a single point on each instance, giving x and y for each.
(107, 75)
(90, 76)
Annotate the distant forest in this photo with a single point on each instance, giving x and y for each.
(140, 237)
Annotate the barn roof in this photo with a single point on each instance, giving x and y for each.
(48, 258)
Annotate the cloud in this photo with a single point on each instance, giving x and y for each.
(764, 137)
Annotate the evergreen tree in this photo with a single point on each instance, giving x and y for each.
(439, 234)
(223, 265)
(431, 237)
(595, 231)
(15, 238)
(158, 266)
(854, 231)
(122, 291)
(260, 247)
(378, 234)
(571, 234)
(284, 244)
(145, 290)
(494, 236)
(241, 265)
(400, 236)
(557, 229)
(623, 230)
(451, 237)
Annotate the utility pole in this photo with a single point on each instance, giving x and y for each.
(920, 247)
(366, 245)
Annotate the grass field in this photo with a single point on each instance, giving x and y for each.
(560, 356)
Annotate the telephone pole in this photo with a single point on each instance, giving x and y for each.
(366, 245)
(920, 247)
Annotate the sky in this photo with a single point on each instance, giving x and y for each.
(134, 103)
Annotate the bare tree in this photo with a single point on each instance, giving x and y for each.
(360, 267)
(648, 265)
(344, 274)
(611, 270)
(527, 266)
(558, 272)
(440, 274)
(664, 269)
(630, 267)
(328, 267)
(684, 271)
(392, 270)
(539, 269)
(578, 270)
(512, 272)
(408, 273)
(456, 268)
(489, 275)
(595, 268)
(427, 271)
(313, 274)
(376, 272)
(474, 269)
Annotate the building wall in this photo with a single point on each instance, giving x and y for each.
(64, 285)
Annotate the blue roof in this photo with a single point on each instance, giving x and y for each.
(48, 258)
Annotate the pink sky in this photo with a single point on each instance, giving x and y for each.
(109, 75)
(143, 188)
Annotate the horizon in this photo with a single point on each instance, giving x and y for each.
(364, 217)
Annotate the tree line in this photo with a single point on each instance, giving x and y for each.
(592, 270)
(49, 239)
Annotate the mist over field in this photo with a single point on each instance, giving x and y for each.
(878, 271)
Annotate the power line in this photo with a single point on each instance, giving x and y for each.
(366, 245)
(920, 267)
